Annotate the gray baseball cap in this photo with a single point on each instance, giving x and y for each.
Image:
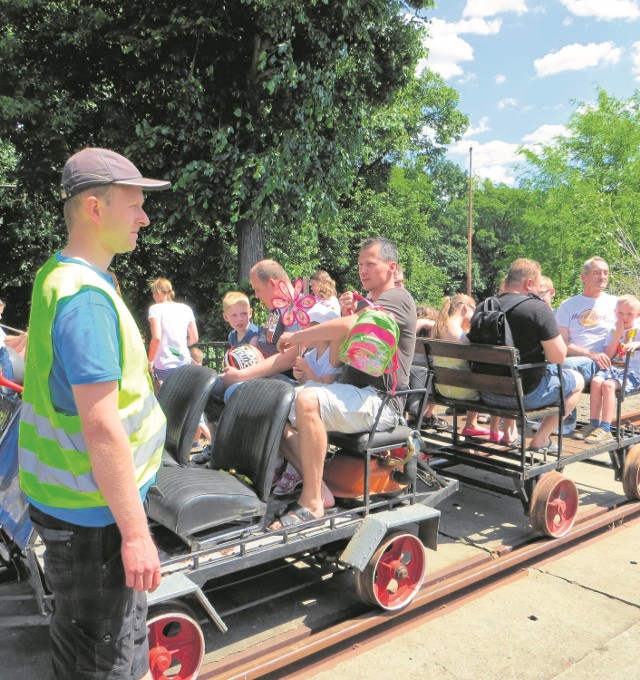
(93, 167)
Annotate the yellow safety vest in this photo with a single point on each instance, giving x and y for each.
(55, 468)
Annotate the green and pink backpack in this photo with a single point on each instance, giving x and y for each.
(371, 346)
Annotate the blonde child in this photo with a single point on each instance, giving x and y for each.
(623, 339)
(237, 312)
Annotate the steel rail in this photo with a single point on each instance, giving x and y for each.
(441, 589)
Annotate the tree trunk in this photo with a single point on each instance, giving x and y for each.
(250, 246)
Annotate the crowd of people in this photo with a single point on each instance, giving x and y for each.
(92, 431)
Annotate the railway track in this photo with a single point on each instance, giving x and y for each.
(297, 652)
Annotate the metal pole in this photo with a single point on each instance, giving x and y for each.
(470, 227)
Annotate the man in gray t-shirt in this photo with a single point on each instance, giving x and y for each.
(350, 405)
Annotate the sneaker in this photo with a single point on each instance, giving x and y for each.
(435, 423)
(599, 435)
(585, 431)
(288, 483)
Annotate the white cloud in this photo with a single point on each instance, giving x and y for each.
(477, 26)
(577, 57)
(447, 50)
(635, 59)
(467, 77)
(604, 10)
(488, 8)
(500, 79)
(545, 134)
(483, 126)
(493, 160)
(507, 101)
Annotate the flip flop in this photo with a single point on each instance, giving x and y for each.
(475, 431)
(297, 514)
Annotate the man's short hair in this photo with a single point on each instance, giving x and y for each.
(387, 250)
(521, 270)
(588, 265)
(269, 269)
(71, 204)
(234, 297)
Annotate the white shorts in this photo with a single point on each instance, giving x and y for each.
(348, 409)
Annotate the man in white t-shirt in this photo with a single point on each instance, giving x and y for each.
(585, 320)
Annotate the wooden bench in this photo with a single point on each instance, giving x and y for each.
(537, 477)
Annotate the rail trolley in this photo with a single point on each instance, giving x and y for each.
(211, 522)
(547, 496)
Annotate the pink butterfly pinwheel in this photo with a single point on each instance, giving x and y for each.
(294, 306)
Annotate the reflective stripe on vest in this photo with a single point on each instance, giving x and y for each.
(55, 468)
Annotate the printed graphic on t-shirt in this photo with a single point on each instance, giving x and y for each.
(590, 318)
(619, 356)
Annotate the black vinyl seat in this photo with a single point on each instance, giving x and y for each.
(183, 397)
(386, 439)
(191, 501)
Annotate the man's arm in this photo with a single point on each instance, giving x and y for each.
(278, 363)
(555, 350)
(16, 342)
(335, 329)
(573, 350)
(113, 470)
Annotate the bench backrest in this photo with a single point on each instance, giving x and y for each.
(477, 379)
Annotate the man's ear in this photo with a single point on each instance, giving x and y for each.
(93, 207)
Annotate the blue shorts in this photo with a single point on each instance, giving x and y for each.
(99, 625)
(617, 374)
(547, 393)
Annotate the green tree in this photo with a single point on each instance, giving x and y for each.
(258, 110)
(582, 194)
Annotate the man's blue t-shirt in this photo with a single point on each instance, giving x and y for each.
(252, 332)
(86, 350)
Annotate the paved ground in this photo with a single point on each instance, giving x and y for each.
(576, 618)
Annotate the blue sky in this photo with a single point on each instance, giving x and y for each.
(519, 66)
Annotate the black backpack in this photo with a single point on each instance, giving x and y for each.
(489, 326)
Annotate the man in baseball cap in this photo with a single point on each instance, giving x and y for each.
(93, 167)
(91, 430)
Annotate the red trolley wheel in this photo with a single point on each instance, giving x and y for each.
(176, 643)
(631, 473)
(394, 574)
(554, 505)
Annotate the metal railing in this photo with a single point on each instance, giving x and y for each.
(213, 354)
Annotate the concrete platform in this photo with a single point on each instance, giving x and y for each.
(577, 618)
